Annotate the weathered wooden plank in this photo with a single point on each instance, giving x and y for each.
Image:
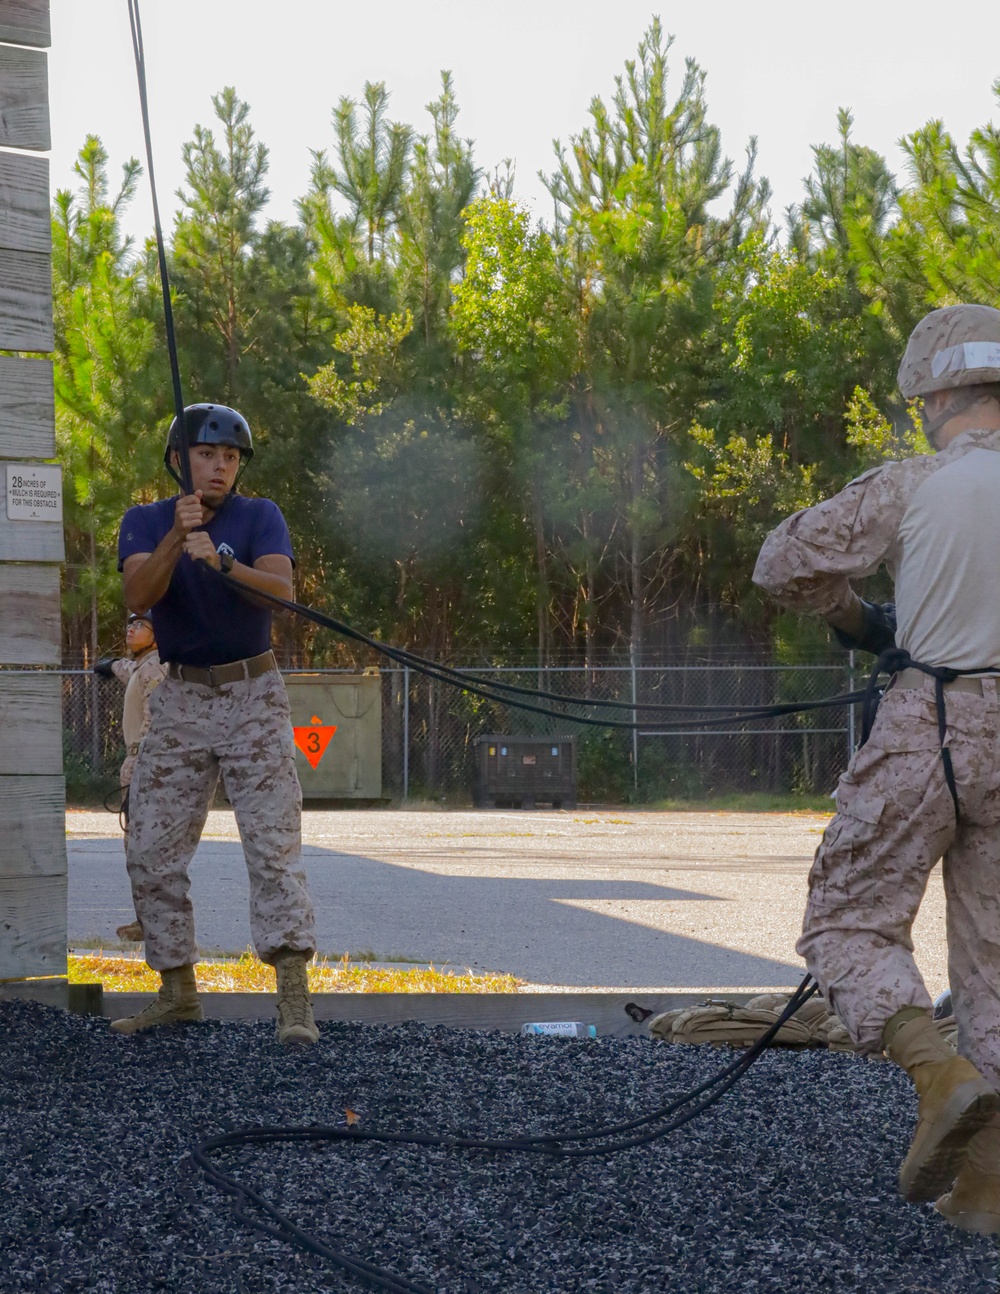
(32, 831)
(25, 301)
(505, 1011)
(25, 22)
(30, 632)
(31, 724)
(28, 541)
(32, 926)
(24, 99)
(27, 408)
(49, 992)
(25, 222)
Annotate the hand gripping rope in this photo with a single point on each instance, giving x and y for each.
(250, 1206)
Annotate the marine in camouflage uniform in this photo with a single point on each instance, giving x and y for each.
(934, 522)
(221, 710)
(140, 672)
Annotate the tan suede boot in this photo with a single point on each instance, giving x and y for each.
(295, 1014)
(176, 1001)
(955, 1101)
(132, 932)
(973, 1203)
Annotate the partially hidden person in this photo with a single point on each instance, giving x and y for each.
(140, 671)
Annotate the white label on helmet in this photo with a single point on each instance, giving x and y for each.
(966, 356)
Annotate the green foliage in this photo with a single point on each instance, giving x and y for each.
(497, 439)
(105, 369)
(373, 344)
(213, 249)
(604, 766)
(874, 438)
(443, 181)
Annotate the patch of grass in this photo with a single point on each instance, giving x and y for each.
(748, 802)
(246, 974)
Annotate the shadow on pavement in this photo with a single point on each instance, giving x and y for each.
(523, 925)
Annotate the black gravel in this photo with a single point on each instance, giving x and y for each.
(787, 1185)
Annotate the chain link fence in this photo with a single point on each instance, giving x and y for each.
(429, 730)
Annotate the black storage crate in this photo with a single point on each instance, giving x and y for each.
(522, 771)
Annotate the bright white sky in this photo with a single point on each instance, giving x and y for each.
(524, 71)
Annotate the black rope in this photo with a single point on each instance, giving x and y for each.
(492, 691)
(893, 661)
(161, 254)
(564, 1145)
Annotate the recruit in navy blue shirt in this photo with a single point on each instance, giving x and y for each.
(200, 620)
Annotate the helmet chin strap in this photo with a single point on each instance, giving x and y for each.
(958, 404)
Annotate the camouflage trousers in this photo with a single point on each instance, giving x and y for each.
(895, 818)
(244, 731)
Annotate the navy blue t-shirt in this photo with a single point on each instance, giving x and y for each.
(200, 620)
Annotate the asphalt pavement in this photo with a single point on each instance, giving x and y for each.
(587, 899)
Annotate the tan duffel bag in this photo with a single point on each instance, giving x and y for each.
(730, 1024)
(723, 1023)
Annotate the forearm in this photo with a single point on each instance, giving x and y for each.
(796, 580)
(252, 578)
(851, 619)
(147, 583)
(122, 669)
(807, 563)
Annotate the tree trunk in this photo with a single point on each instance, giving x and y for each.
(635, 562)
(95, 694)
(544, 592)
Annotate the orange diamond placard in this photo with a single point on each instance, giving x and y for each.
(313, 739)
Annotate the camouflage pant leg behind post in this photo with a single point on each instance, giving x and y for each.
(173, 782)
(894, 820)
(257, 755)
(125, 782)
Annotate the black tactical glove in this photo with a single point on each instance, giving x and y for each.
(878, 633)
(103, 667)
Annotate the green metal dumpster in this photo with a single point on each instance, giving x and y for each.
(337, 724)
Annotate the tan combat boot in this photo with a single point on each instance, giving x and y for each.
(955, 1101)
(132, 932)
(973, 1203)
(176, 1001)
(295, 1014)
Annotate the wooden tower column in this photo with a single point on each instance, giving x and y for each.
(32, 788)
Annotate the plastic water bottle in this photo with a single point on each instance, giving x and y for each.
(560, 1029)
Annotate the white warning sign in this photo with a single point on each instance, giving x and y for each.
(33, 493)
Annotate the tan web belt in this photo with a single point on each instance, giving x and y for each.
(217, 675)
(916, 678)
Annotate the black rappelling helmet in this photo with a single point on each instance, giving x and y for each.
(210, 424)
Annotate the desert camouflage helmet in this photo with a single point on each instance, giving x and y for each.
(952, 347)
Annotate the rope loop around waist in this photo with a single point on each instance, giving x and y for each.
(893, 661)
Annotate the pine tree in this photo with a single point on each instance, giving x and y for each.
(214, 241)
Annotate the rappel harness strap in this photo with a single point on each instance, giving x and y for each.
(893, 661)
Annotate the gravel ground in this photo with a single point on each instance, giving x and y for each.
(786, 1187)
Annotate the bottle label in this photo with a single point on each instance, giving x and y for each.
(561, 1029)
